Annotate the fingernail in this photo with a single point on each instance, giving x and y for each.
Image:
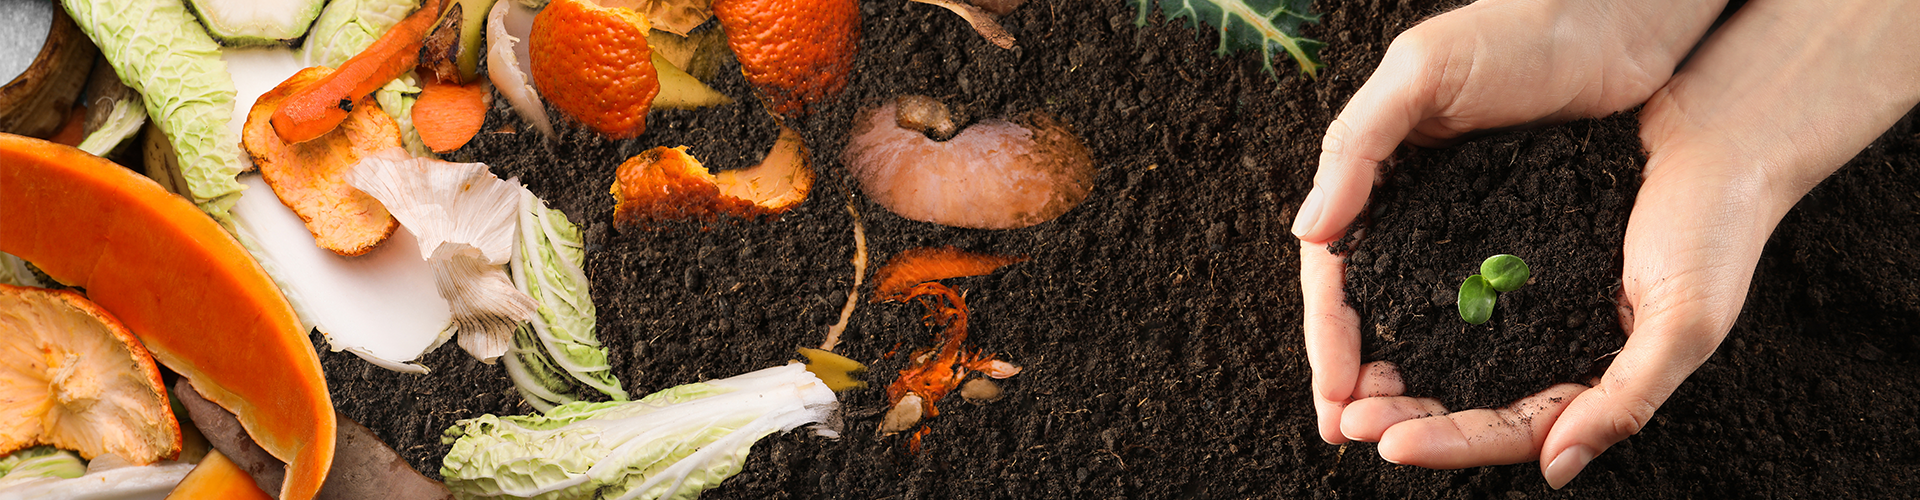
(1309, 213)
(1569, 464)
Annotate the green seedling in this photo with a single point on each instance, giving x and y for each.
(1499, 273)
(1505, 273)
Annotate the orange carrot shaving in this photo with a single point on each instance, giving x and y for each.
(919, 265)
(448, 115)
(318, 109)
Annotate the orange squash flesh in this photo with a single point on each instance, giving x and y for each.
(217, 478)
(195, 298)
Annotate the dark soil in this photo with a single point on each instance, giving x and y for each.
(1159, 322)
(1556, 198)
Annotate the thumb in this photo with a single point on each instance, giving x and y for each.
(1656, 359)
(1378, 117)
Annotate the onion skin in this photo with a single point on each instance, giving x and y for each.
(995, 174)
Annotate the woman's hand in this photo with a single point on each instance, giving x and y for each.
(1773, 103)
(1493, 64)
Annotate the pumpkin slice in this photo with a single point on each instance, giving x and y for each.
(72, 377)
(191, 293)
(310, 177)
(218, 477)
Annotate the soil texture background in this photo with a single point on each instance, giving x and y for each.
(1159, 323)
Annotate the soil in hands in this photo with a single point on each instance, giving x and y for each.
(1554, 197)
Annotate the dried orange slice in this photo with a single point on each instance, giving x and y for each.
(71, 376)
(593, 64)
(311, 177)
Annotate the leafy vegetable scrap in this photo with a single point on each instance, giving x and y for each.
(1270, 26)
(39, 462)
(556, 356)
(160, 51)
(670, 444)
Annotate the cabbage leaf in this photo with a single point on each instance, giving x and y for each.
(672, 444)
(558, 350)
(160, 51)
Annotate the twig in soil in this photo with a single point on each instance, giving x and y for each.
(859, 274)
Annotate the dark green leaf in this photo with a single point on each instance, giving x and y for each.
(1476, 300)
(1505, 272)
(1270, 26)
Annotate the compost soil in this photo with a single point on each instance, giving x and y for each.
(1159, 323)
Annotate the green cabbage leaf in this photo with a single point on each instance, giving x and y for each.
(672, 444)
(160, 51)
(40, 462)
(556, 356)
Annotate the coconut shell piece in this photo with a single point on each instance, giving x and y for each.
(311, 177)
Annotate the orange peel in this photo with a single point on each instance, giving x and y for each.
(593, 63)
(665, 184)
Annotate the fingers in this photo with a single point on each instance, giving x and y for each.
(1474, 438)
(1332, 333)
(1380, 115)
(1367, 419)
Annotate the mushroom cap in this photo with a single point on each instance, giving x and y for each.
(71, 376)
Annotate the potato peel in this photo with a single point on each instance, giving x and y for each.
(310, 177)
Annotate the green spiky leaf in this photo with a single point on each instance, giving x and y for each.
(1270, 26)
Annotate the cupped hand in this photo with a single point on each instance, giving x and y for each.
(1493, 64)
(1773, 103)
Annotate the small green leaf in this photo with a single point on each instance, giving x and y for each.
(1505, 273)
(1271, 26)
(1476, 300)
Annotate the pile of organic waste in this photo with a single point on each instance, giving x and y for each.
(936, 248)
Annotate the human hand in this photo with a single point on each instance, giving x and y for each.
(1775, 102)
(1493, 64)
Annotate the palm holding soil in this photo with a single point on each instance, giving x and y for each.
(1777, 99)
